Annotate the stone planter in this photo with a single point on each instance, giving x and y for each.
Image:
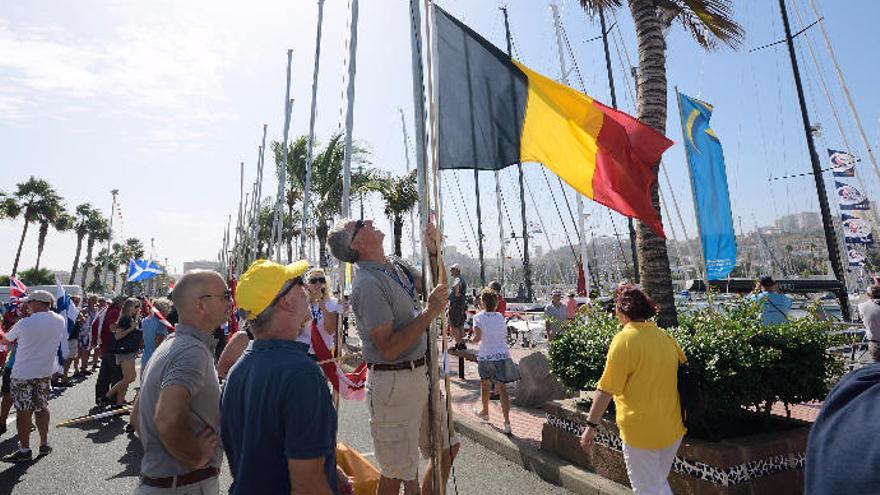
(762, 463)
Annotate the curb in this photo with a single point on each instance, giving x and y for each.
(549, 467)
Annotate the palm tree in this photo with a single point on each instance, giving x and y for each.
(98, 229)
(82, 213)
(103, 256)
(400, 196)
(53, 215)
(709, 22)
(32, 200)
(326, 186)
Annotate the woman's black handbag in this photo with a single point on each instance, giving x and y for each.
(691, 394)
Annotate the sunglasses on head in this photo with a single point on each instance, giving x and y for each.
(317, 280)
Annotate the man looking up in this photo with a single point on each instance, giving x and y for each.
(178, 407)
(392, 326)
(279, 424)
(37, 338)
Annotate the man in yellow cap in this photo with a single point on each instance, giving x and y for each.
(278, 421)
(391, 324)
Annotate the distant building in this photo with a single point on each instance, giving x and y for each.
(799, 223)
(189, 266)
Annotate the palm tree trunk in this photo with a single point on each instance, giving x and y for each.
(79, 242)
(20, 244)
(41, 242)
(398, 234)
(321, 231)
(90, 245)
(656, 277)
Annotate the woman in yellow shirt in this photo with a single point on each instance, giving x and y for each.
(641, 374)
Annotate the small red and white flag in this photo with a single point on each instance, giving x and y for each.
(353, 384)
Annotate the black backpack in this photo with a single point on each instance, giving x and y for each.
(691, 394)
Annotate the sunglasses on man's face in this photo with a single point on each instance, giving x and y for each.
(358, 225)
(317, 280)
(227, 294)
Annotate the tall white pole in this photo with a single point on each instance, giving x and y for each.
(349, 112)
(282, 169)
(412, 222)
(114, 192)
(582, 233)
(311, 144)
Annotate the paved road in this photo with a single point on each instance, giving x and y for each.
(100, 458)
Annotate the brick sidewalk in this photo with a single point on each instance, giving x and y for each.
(527, 423)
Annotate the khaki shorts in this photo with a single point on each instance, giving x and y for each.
(31, 395)
(72, 348)
(399, 421)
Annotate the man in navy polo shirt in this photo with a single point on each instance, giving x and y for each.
(278, 421)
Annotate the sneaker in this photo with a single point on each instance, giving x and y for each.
(506, 429)
(45, 450)
(18, 456)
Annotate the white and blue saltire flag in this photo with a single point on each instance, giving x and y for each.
(139, 270)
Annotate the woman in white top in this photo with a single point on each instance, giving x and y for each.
(493, 358)
(325, 311)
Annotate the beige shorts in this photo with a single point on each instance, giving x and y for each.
(399, 424)
(72, 348)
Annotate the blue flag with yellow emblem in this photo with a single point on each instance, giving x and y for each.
(709, 183)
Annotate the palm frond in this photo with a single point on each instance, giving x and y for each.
(709, 22)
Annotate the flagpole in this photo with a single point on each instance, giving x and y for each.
(311, 145)
(827, 222)
(277, 221)
(527, 270)
(346, 165)
(349, 112)
(418, 80)
(114, 192)
(412, 221)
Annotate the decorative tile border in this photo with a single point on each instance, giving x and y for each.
(728, 476)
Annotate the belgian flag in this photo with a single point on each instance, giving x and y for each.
(494, 112)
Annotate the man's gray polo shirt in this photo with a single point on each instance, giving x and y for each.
(382, 293)
(185, 358)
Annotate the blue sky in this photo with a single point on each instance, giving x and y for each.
(163, 100)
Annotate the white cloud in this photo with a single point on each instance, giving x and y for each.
(170, 75)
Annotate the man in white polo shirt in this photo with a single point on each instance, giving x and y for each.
(38, 338)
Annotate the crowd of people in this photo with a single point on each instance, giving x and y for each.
(260, 398)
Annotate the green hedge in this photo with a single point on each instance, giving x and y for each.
(746, 364)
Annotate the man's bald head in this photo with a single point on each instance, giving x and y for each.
(193, 285)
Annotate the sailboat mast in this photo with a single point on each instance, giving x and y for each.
(311, 145)
(609, 71)
(582, 233)
(527, 269)
(827, 224)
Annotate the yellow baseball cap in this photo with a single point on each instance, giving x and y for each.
(262, 282)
